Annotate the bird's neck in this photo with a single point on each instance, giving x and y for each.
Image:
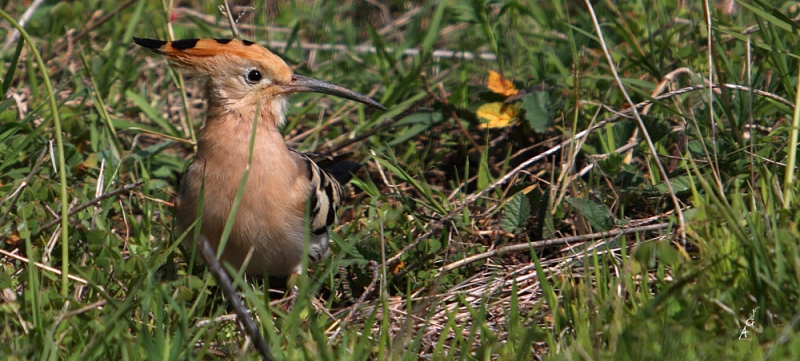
(227, 134)
(270, 111)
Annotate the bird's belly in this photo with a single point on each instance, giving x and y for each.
(270, 225)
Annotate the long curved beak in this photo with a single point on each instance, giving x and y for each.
(301, 83)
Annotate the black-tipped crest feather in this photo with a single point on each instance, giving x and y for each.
(151, 44)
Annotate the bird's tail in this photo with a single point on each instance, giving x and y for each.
(342, 171)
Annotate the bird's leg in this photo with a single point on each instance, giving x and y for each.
(292, 290)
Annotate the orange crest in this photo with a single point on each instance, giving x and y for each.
(207, 56)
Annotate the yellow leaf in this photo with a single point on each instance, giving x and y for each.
(500, 85)
(398, 267)
(497, 115)
(13, 239)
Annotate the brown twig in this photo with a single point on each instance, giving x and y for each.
(81, 310)
(42, 266)
(248, 324)
(231, 22)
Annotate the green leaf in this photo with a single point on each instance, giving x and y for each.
(679, 184)
(612, 165)
(597, 215)
(657, 127)
(96, 237)
(434, 245)
(668, 254)
(618, 135)
(517, 212)
(535, 105)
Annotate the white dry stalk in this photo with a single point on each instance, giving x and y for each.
(640, 122)
(45, 267)
(22, 20)
(15, 192)
(750, 120)
(55, 236)
(566, 167)
(668, 79)
(368, 49)
(53, 157)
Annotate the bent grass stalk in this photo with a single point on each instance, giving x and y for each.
(62, 169)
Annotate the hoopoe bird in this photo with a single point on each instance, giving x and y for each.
(270, 226)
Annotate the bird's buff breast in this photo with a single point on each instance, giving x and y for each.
(270, 218)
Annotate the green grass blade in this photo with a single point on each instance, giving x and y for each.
(61, 161)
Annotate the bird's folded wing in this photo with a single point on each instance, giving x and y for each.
(326, 191)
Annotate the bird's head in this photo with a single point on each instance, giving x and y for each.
(242, 74)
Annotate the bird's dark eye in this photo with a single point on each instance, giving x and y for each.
(254, 76)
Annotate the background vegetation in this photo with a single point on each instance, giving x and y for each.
(510, 215)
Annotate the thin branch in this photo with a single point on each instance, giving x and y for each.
(82, 310)
(231, 22)
(22, 20)
(42, 266)
(549, 243)
(713, 66)
(96, 200)
(676, 203)
(368, 49)
(249, 325)
(359, 49)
